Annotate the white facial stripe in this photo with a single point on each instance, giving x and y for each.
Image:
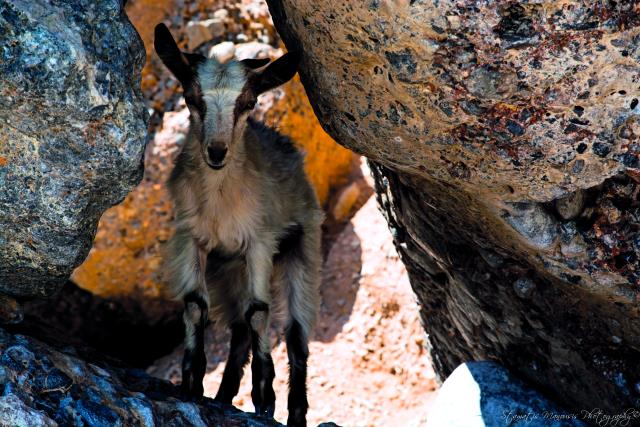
(221, 84)
(219, 116)
(213, 75)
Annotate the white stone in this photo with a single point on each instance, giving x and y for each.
(223, 51)
(256, 50)
(221, 14)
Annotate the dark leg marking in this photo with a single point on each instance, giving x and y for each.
(262, 373)
(238, 357)
(254, 307)
(262, 370)
(298, 352)
(194, 363)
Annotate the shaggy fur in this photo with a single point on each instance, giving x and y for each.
(247, 234)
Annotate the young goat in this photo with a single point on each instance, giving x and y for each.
(247, 227)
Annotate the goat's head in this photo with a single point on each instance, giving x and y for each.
(220, 96)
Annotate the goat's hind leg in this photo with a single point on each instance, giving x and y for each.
(301, 275)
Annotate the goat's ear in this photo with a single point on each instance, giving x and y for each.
(278, 72)
(254, 64)
(171, 56)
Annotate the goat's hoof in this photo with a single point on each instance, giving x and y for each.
(266, 410)
(223, 400)
(297, 418)
(297, 423)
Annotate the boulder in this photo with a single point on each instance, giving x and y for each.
(504, 140)
(46, 386)
(72, 126)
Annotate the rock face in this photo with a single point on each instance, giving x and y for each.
(42, 386)
(72, 126)
(504, 140)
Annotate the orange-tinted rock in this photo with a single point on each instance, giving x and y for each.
(485, 122)
(144, 15)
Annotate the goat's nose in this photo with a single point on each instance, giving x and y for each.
(216, 155)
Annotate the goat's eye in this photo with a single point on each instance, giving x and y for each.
(244, 103)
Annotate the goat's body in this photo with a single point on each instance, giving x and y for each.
(263, 198)
(259, 211)
(247, 227)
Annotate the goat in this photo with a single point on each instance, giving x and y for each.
(247, 227)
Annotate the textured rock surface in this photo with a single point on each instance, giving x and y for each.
(72, 128)
(479, 394)
(505, 139)
(43, 386)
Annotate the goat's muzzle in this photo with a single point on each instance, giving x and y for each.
(216, 157)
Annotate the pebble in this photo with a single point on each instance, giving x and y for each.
(570, 206)
(524, 287)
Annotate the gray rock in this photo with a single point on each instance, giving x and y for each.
(14, 412)
(524, 287)
(533, 223)
(72, 126)
(67, 389)
(199, 32)
(479, 394)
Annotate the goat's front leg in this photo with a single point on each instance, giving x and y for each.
(260, 258)
(238, 357)
(196, 313)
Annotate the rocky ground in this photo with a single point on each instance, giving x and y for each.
(368, 365)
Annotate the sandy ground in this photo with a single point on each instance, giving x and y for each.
(368, 365)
